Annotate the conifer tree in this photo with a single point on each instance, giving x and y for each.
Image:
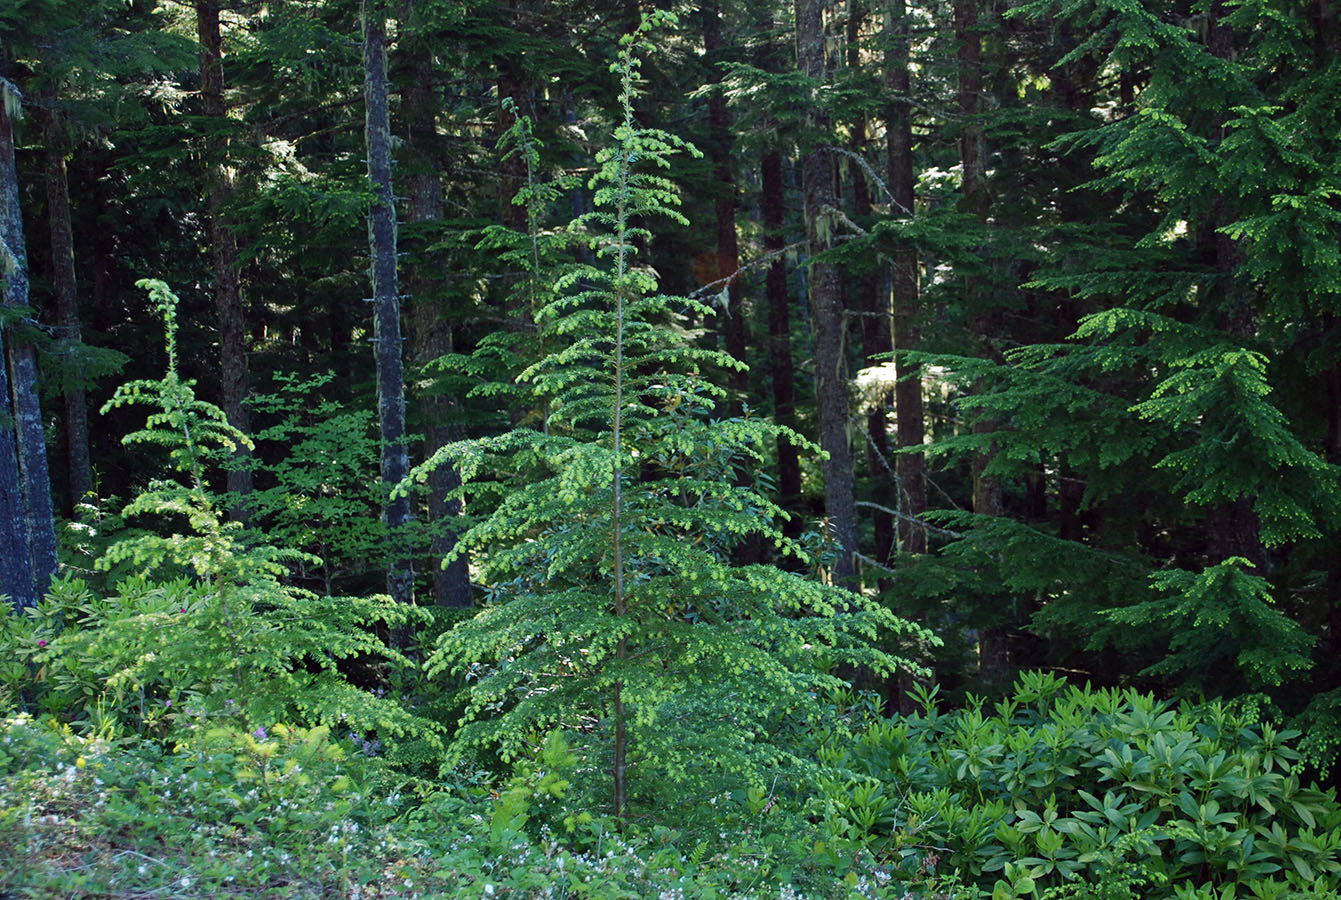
(386, 299)
(234, 376)
(826, 298)
(615, 613)
(34, 480)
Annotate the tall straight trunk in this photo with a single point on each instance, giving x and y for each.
(512, 86)
(16, 565)
(826, 303)
(904, 285)
(728, 246)
(988, 497)
(386, 302)
(431, 334)
(30, 447)
(782, 368)
(734, 332)
(79, 468)
(876, 327)
(234, 378)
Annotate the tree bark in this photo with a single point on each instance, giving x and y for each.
(826, 303)
(904, 286)
(234, 378)
(876, 326)
(728, 245)
(78, 463)
(988, 498)
(782, 369)
(386, 302)
(732, 318)
(431, 334)
(29, 448)
(16, 566)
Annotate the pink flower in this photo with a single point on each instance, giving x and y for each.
(41, 643)
(183, 609)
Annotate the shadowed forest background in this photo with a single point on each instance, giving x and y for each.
(836, 449)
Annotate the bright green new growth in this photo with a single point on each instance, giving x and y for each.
(608, 564)
(213, 621)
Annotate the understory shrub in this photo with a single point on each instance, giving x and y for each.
(294, 813)
(211, 627)
(1064, 791)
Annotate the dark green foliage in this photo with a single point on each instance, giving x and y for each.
(312, 489)
(1070, 792)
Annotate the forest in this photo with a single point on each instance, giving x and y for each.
(826, 450)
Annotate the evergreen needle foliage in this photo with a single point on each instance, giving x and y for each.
(614, 612)
(213, 620)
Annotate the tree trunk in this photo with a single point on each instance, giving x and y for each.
(988, 499)
(904, 286)
(728, 245)
(386, 302)
(782, 368)
(234, 379)
(431, 335)
(732, 318)
(79, 466)
(876, 327)
(29, 448)
(16, 566)
(826, 304)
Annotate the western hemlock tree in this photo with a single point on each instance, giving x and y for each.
(386, 313)
(826, 298)
(242, 630)
(233, 374)
(21, 357)
(614, 611)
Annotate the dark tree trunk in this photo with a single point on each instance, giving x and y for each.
(16, 564)
(904, 286)
(431, 334)
(728, 246)
(826, 304)
(29, 448)
(79, 466)
(386, 302)
(987, 492)
(988, 499)
(876, 328)
(732, 318)
(234, 379)
(782, 368)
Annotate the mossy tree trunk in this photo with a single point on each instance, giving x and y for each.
(826, 301)
(36, 532)
(386, 300)
(234, 376)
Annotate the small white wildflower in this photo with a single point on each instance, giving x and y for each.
(142, 868)
(488, 890)
(185, 882)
